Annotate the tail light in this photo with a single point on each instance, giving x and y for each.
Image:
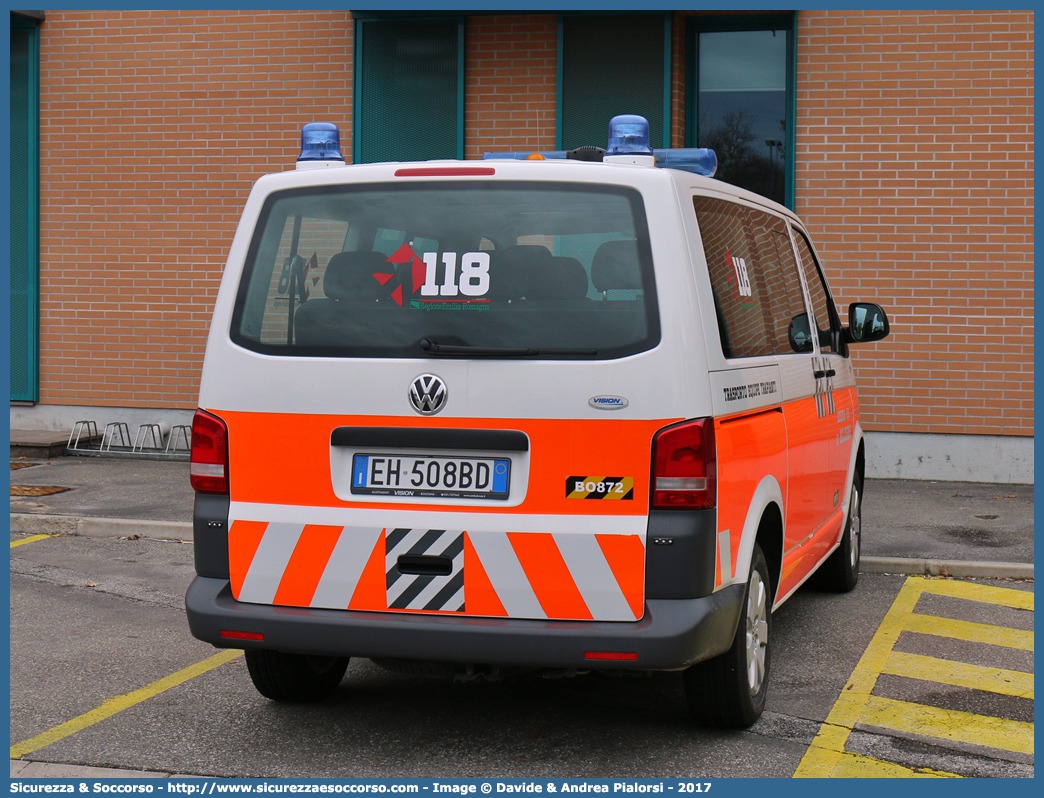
(685, 466)
(208, 463)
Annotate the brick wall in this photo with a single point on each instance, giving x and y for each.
(913, 165)
(679, 65)
(510, 79)
(914, 174)
(153, 126)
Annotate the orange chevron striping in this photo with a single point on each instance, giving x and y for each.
(243, 539)
(372, 591)
(626, 557)
(549, 576)
(480, 598)
(306, 565)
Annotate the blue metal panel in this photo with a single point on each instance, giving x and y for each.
(409, 89)
(612, 64)
(24, 210)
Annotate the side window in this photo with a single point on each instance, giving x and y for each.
(821, 303)
(757, 291)
(784, 301)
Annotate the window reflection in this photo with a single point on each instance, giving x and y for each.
(741, 106)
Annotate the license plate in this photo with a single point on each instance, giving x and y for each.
(431, 477)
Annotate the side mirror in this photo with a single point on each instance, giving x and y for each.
(866, 322)
(800, 334)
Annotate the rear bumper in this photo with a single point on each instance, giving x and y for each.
(673, 634)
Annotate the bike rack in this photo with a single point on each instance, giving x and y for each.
(179, 433)
(111, 429)
(145, 432)
(78, 430)
(153, 441)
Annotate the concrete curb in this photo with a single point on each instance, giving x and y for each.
(32, 524)
(918, 567)
(27, 769)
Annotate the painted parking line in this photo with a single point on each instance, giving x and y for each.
(120, 703)
(30, 539)
(857, 705)
(959, 674)
(949, 724)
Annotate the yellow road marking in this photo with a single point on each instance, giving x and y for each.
(30, 539)
(972, 632)
(960, 674)
(948, 724)
(1005, 596)
(827, 757)
(857, 766)
(828, 748)
(120, 703)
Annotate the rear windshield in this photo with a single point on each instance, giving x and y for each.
(450, 269)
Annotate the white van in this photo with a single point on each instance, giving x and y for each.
(549, 411)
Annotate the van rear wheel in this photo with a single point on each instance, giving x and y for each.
(294, 678)
(729, 690)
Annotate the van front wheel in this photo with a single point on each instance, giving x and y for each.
(841, 570)
(729, 690)
(294, 678)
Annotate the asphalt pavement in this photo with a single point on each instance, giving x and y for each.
(958, 529)
(909, 526)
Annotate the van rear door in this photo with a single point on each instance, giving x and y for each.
(448, 349)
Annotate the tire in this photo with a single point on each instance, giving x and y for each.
(294, 678)
(840, 572)
(729, 690)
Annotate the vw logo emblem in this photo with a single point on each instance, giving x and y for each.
(428, 394)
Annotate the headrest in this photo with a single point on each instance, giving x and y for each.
(556, 278)
(615, 265)
(511, 269)
(349, 276)
(572, 279)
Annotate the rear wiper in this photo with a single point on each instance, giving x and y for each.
(445, 350)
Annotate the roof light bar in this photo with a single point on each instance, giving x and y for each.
(699, 161)
(628, 143)
(528, 155)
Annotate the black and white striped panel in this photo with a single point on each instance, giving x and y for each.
(424, 592)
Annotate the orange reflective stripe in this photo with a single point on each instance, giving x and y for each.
(558, 447)
(243, 539)
(549, 576)
(372, 591)
(749, 448)
(480, 598)
(306, 565)
(626, 557)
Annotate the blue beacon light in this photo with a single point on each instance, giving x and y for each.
(629, 143)
(320, 146)
(628, 135)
